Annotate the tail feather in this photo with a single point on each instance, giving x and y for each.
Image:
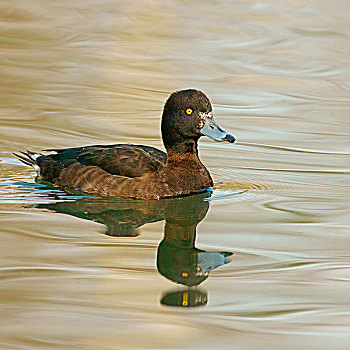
(29, 158)
(23, 159)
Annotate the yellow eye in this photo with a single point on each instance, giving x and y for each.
(189, 111)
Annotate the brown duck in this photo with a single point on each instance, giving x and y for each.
(138, 171)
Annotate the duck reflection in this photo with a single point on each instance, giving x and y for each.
(177, 257)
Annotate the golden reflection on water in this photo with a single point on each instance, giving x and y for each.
(85, 72)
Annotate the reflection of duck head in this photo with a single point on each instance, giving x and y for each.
(178, 259)
(177, 256)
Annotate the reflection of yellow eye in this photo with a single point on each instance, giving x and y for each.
(185, 299)
(189, 111)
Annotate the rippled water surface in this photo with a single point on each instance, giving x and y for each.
(262, 264)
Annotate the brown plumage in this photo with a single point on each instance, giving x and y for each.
(138, 171)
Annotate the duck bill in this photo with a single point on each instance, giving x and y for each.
(208, 261)
(213, 130)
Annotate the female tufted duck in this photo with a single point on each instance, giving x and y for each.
(138, 171)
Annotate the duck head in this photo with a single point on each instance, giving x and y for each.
(187, 116)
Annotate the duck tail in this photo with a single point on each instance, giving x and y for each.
(29, 158)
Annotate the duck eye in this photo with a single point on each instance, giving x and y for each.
(189, 111)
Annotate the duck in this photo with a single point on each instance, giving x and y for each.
(139, 171)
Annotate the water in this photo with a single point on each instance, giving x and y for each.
(88, 273)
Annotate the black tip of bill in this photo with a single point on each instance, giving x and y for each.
(229, 138)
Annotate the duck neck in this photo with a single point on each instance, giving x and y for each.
(183, 149)
(181, 232)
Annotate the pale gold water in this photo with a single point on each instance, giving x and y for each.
(75, 73)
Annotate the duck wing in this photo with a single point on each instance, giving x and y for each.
(121, 159)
